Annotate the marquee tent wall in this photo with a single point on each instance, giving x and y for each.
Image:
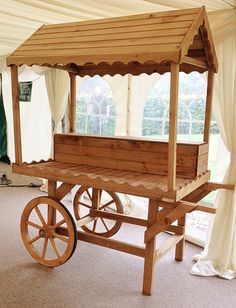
(19, 20)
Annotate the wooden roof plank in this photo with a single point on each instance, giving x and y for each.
(101, 50)
(158, 57)
(124, 24)
(124, 18)
(104, 37)
(107, 43)
(114, 31)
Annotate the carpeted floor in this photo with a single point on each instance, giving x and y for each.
(97, 277)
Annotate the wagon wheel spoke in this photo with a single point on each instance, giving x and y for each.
(100, 195)
(40, 215)
(60, 237)
(54, 246)
(106, 204)
(58, 224)
(84, 216)
(105, 225)
(89, 195)
(84, 204)
(95, 224)
(32, 224)
(36, 238)
(45, 245)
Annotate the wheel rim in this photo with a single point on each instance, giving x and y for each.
(100, 226)
(39, 222)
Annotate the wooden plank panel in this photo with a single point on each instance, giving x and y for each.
(127, 143)
(185, 171)
(82, 59)
(120, 154)
(181, 25)
(107, 43)
(100, 51)
(114, 24)
(125, 18)
(77, 38)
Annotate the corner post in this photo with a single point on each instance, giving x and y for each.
(72, 101)
(174, 91)
(16, 114)
(207, 124)
(150, 250)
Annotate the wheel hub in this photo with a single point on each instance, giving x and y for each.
(45, 232)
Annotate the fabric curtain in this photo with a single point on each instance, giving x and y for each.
(141, 86)
(3, 129)
(119, 87)
(219, 256)
(35, 117)
(58, 86)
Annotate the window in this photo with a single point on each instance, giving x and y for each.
(191, 109)
(95, 110)
(190, 127)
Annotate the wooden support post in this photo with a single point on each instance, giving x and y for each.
(16, 114)
(52, 186)
(72, 102)
(174, 87)
(128, 105)
(149, 259)
(207, 123)
(179, 250)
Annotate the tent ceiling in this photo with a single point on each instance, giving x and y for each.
(20, 18)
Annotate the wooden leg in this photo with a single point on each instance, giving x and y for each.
(179, 251)
(52, 186)
(149, 259)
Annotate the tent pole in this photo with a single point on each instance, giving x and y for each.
(72, 101)
(174, 87)
(16, 114)
(207, 124)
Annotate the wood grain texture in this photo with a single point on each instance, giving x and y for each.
(173, 115)
(146, 37)
(16, 114)
(130, 154)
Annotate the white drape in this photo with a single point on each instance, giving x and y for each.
(141, 86)
(35, 117)
(58, 86)
(119, 87)
(219, 256)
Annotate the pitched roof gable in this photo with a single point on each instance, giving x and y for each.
(143, 39)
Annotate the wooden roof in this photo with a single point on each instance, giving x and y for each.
(131, 44)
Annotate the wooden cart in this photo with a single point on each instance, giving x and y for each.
(173, 176)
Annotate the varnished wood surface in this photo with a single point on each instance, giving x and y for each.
(156, 37)
(131, 154)
(135, 183)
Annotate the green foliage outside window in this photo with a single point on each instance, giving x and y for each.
(191, 107)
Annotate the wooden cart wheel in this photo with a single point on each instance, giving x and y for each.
(39, 222)
(108, 202)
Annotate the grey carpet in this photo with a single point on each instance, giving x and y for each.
(97, 277)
